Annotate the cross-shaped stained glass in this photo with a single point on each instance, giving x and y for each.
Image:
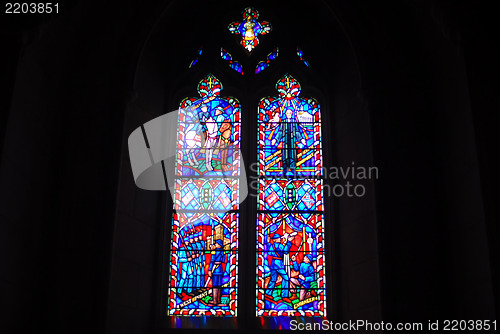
(250, 28)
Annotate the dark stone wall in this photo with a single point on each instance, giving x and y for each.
(61, 153)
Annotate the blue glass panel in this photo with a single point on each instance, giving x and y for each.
(273, 55)
(194, 62)
(205, 194)
(262, 65)
(300, 54)
(225, 55)
(289, 162)
(284, 194)
(236, 66)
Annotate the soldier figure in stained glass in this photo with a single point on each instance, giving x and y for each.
(197, 261)
(215, 270)
(306, 274)
(277, 247)
(186, 279)
(201, 262)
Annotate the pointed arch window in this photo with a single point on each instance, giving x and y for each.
(290, 230)
(204, 245)
(289, 221)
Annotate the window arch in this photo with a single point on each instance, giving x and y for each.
(203, 278)
(293, 173)
(290, 223)
(164, 79)
(323, 79)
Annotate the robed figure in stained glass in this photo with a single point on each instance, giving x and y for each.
(289, 127)
(289, 134)
(185, 279)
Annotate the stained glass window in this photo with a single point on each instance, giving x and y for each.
(250, 28)
(235, 65)
(262, 65)
(204, 245)
(290, 224)
(290, 260)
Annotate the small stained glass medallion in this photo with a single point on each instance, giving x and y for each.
(250, 28)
